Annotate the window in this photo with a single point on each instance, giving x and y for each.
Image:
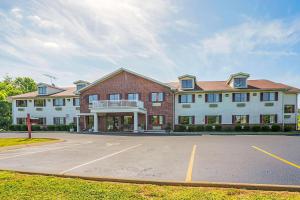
(289, 109)
(114, 97)
(59, 120)
(214, 119)
(157, 96)
(21, 120)
(133, 96)
(240, 82)
(80, 86)
(186, 119)
(42, 90)
(213, 97)
(187, 83)
(76, 102)
(269, 96)
(93, 97)
(59, 102)
(268, 119)
(39, 103)
(157, 120)
(41, 121)
(21, 103)
(240, 97)
(240, 119)
(186, 98)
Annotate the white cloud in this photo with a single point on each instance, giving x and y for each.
(17, 13)
(255, 37)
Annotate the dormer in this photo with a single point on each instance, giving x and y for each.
(239, 80)
(80, 84)
(45, 89)
(187, 82)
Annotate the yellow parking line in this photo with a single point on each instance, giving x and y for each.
(277, 157)
(191, 164)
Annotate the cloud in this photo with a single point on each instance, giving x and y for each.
(254, 37)
(17, 13)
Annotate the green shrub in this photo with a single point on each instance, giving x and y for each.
(238, 128)
(227, 129)
(12, 127)
(191, 128)
(275, 128)
(246, 128)
(199, 128)
(180, 128)
(23, 127)
(35, 127)
(256, 128)
(265, 128)
(208, 128)
(288, 128)
(218, 128)
(50, 127)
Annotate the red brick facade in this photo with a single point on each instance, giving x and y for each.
(124, 83)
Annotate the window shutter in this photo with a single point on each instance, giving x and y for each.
(53, 101)
(206, 97)
(179, 98)
(261, 119)
(108, 97)
(150, 97)
(248, 96)
(220, 97)
(220, 118)
(120, 96)
(276, 96)
(179, 117)
(233, 97)
(233, 119)
(247, 119)
(64, 121)
(193, 98)
(261, 96)
(73, 101)
(276, 118)
(64, 102)
(164, 119)
(193, 119)
(206, 120)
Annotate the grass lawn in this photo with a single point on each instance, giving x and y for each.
(4, 142)
(299, 122)
(20, 186)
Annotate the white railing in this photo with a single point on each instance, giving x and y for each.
(105, 104)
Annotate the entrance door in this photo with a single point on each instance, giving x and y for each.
(128, 123)
(113, 123)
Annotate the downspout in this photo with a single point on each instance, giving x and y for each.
(283, 111)
(296, 110)
(173, 111)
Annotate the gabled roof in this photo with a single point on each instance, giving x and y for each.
(48, 85)
(118, 72)
(252, 85)
(237, 74)
(66, 92)
(187, 76)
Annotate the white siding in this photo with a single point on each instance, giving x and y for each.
(254, 108)
(49, 112)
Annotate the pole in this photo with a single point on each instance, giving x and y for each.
(28, 125)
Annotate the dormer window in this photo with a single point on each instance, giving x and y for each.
(187, 84)
(240, 82)
(42, 90)
(79, 86)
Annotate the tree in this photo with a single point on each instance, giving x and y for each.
(10, 87)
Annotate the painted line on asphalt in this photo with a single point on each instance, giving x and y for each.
(189, 172)
(101, 158)
(277, 157)
(30, 153)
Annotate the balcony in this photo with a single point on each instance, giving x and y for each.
(116, 105)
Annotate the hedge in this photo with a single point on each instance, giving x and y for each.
(41, 127)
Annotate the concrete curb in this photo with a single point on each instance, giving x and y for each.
(2, 149)
(246, 186)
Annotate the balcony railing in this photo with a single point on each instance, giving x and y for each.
(116, 104)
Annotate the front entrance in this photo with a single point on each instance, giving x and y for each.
(119, 123)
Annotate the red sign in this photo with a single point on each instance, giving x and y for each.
(28, 121)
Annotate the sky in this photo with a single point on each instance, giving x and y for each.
(162, 39)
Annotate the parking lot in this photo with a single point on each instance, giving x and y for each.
(237, 159)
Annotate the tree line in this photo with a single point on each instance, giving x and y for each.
(10, 87)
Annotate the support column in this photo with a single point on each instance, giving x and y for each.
(77, 123)
(95, 122)
(146, 122)
(135, 122)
